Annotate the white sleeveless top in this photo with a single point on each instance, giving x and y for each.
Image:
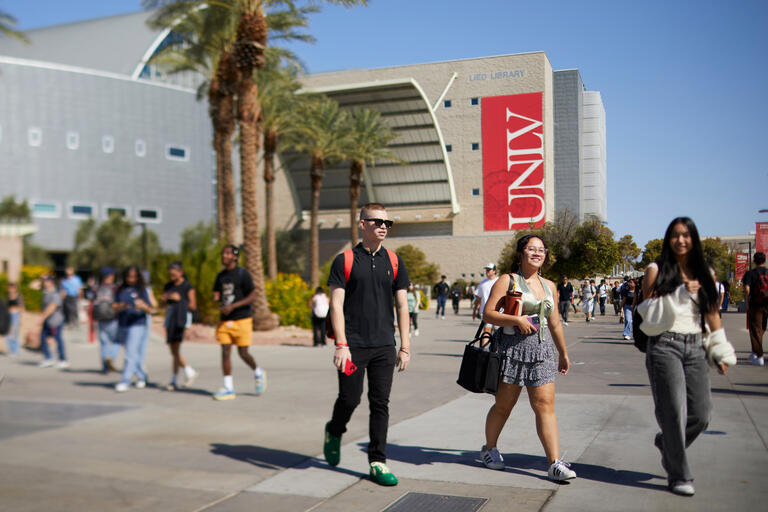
(685, 310)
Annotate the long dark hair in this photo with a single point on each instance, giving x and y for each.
(522, 242)
(670, 277)
(139, 278)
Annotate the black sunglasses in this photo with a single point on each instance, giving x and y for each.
(388, 223)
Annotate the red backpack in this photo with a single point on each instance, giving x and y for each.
(349, 259)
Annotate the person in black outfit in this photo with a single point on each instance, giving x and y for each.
(565, 292)
(363, 320)
(441, 290)
(180, 297)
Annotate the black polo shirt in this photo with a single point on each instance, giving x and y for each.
(369, 296)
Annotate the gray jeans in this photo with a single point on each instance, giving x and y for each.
(679, 375)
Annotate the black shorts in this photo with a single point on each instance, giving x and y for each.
(174, 334)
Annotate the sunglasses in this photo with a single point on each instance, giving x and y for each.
(379, 222)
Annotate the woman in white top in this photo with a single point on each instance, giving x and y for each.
(676, 359)
(320, 306)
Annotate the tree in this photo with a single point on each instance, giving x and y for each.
(717, 254)
(651, 253)
(111, 243)
(15, 211)
(420, 271)
(7, 22)
(628, 250)
(277, 88)
(368, 140)
(321, 135)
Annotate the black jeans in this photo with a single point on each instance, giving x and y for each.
(380, 364)
(563, 306)
(602, 305)
(318, 330)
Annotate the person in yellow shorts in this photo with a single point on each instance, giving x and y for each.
(235, 292)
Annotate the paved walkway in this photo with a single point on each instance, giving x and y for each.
(69, 442)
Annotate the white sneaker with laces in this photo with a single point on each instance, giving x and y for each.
(46, 363)
(121, 387)
(757, 361)
(63, 365)
(492, 458)
(560, 470)
(682, 488)
(141, 384)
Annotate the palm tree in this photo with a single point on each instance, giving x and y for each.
(323, 136)
(277, 89)
(7, 22)
(368, 140)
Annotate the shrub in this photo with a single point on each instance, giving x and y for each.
(289, 296)
(30, 285)
(424, 302)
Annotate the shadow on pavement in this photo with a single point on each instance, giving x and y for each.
(630, 385)
(438, 354)
(269, 458)
(518, 463)
(739, 392)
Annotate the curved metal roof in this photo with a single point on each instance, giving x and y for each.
(115, 44)
(426, 180)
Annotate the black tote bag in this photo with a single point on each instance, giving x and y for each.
(481, 367)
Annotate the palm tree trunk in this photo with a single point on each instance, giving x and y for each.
(316, 175)
(270, 147)
(355, 176)
(250, 137)
(221, 110)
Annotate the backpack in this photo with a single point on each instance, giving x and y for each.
(349, 259)
(5, 318)
(759, 290)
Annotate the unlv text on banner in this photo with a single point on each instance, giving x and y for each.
(513, 162)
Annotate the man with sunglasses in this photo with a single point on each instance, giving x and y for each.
(363, 297)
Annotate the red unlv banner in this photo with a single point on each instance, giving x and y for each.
(513, 162)
(742, 265)
(761, 237)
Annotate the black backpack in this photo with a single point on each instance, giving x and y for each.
(5, 318)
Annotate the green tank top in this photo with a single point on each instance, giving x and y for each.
(531, 304)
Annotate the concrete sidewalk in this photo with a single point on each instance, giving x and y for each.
(68, 442)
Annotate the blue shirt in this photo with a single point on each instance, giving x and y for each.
(131, 315)
(72, 285)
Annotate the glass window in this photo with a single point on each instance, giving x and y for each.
(108, 144)
(448, 148)
(141, 148)
(447, 103)
(35, 137)
(475, 146)
(81, 210)
(46, 210)
(475, 191)
(474, 101)
(73, 140)
(148, 215)
(180, 153)
(109, 210)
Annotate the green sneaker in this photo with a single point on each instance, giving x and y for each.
(381, 474)
(331, 447)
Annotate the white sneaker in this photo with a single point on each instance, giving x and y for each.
(757, 361)
(191, 376)
(46, 363)
(626, 337)
(121, 387)
(560, 471)
(682, 488)
(565, 323)
(141, 384)
(442, 318)
(416, 332)
(492, 458)
(62, 365)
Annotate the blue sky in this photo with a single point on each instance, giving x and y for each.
(682, 83)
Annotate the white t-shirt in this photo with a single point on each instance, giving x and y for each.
(484, 291)
(602, 290)
(720, 288)
(320, 305)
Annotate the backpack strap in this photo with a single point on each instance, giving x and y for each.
(348, 260)
(395, 264)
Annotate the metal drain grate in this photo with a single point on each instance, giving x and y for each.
(421, 502)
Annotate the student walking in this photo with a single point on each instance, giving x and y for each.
(235, 292)
(366, 284)
(627, 303)
(180, 297)
(602, 296)
(72, 291)
(52, 323)
(528, 343)
(319, 304)
(565, 294)
(756, 290)
(15, 310)
(133, 306)
(676, 359)
(587, 299)
(484, 290)
(441, 290)
(106, 317)
(414, 301)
